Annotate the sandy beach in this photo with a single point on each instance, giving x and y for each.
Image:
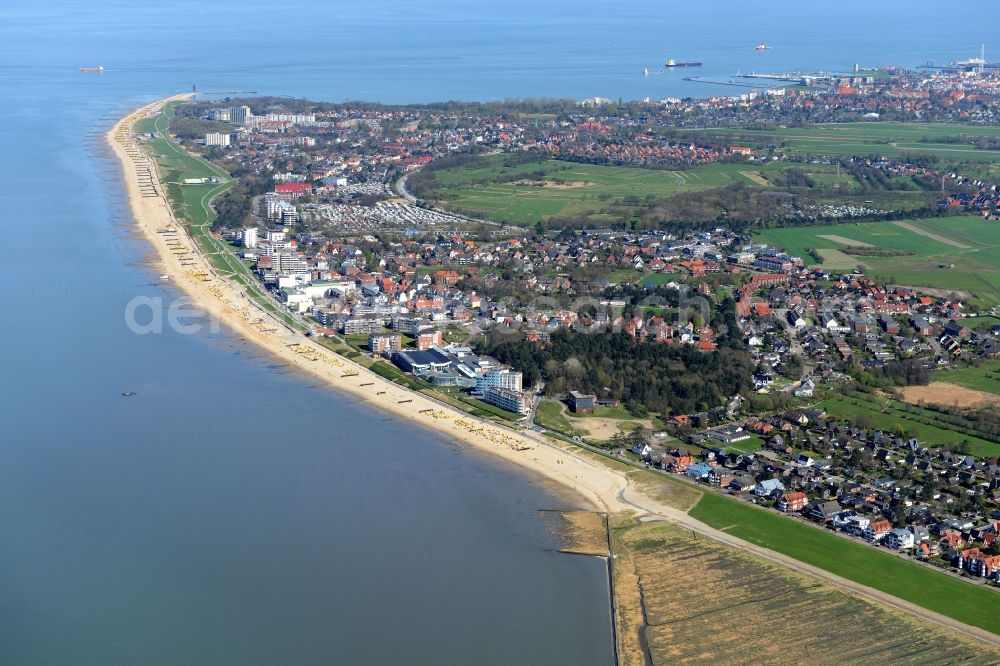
(609, 489)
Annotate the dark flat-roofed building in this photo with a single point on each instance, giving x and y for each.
(582, 403)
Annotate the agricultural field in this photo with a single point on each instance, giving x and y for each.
(684, 597)
(869, 138)
(870, 566)
(958, 253)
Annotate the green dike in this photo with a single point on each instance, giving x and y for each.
(192, 205)
(936, 591)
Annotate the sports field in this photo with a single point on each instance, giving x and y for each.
(960, 253)
(871, 138)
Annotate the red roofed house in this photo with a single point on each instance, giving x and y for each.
(877, 530)
(292, 188)
(792, 502)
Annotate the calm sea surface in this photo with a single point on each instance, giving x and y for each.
(231, 512)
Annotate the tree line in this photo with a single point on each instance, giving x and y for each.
(667, 379)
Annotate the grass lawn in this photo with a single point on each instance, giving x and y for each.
(755, 443)
(960, 253)
(984, 377)
(866, 565)
(657, 279)
(607, 413)
(570, 188)
(549, 415)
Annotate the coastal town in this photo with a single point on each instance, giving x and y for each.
(806, 329)
(414, 287)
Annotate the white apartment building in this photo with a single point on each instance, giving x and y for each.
(250, 237)
(239, 115)
(218, 139)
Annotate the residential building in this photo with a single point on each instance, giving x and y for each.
(239, 115)
(249, 236)
(428, 339)
(792, 502)
(383, 343)
(899, 539)
(512, 401)
(361, 325)
(768, 488)
(878, 530)
(979, 563)
(218, 139)
(504, 378)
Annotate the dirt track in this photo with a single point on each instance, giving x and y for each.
(943, 393)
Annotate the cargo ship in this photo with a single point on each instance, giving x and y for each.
(95, 70)
(683, 63)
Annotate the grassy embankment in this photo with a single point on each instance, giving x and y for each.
(848, 558)
(960, 253)
(193, 205)
(869, 566)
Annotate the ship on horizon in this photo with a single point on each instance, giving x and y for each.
(95, 70)
(683, 63)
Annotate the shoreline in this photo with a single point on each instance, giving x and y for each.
(608, 490)
(224, 301)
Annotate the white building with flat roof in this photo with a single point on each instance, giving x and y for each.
(249, 237)
(218, 139)
(239, 115)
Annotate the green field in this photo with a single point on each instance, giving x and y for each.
(984, 377)
(869, 138)
(925, 425)
(571, 189)
(549, 415)
(558, 189)
(192, 204)
(930, 589)
(968, 243)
